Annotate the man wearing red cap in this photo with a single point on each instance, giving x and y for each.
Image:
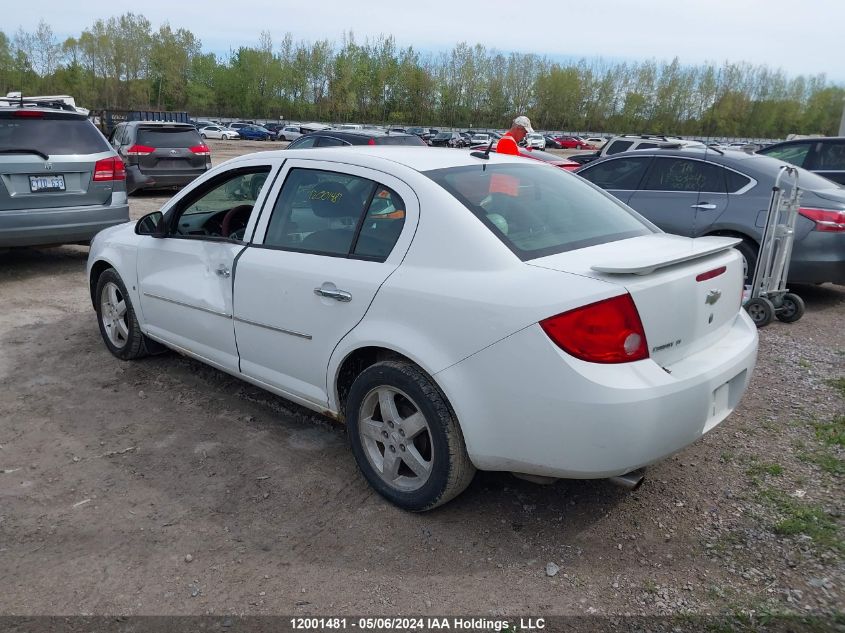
(508, 143)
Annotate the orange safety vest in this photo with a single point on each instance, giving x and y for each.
(507, 145)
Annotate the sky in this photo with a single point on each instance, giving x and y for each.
(800, 37)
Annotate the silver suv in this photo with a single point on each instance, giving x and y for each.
(60, 182)
(630, 142)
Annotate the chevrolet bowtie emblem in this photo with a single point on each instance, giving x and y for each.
(712, 297)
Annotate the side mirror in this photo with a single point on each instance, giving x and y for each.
(151, 224)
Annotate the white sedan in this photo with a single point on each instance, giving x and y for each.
(215, 131)
(455, 311)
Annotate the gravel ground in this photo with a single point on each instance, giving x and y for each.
(165, 487)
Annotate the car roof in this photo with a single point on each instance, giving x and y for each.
(379, 156)
(57, 113)
(366, 133)
(162, 124)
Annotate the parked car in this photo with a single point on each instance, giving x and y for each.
(237, 125)
(697, 192)
(596, 141)
(337, 138)
(573, 142)
(630, 142)
(579, 369)
(160, 155)
(824, 156)
(60, 182)
(273, 128)
(536, 141)
(479, 138)
(448, 139)
(289, 133)
(552, 143)
(255, 133)
(215, 131)
(201, 123)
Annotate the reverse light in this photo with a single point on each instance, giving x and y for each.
(201, 150)
(826, 220)
(109, 169)
(608, 331)
(140, 150)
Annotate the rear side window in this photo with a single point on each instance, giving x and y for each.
(329, 213)
(621, 173)
(830, 156)
(618, 146)
(680, 174)
(400, 140)
(538, 210)
(303, 142)
(52, 136)
(795, 153)
(736, 181)
(168, 137)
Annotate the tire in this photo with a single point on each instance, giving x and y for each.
(203, 136)
(791, 308)
(749, 251)
(118, 325)
(761, 311)
(281, 137)
(419, 430)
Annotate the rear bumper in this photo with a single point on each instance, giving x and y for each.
(136, 179)
(525, 406)
(818, 258)
(64, 225)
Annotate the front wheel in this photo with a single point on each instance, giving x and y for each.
(116, 317)
(405, 437)
(791, 308)
(204, 136)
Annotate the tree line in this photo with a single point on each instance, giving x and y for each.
(125, 63)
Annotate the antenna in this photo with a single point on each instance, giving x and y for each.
(485, 154)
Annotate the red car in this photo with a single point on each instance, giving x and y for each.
(538, 154)
(573, 142)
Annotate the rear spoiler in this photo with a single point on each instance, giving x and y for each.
(645, 262)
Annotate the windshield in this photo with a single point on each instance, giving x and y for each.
(52, 136)
(538, 210)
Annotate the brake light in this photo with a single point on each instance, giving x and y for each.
(608, 331)
(711, 273)
(372, 141)
(109, 169)
(201, 150)
(140, 150)
(29, 114)
(826, 220)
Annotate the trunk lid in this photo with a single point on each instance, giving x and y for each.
(685, 300)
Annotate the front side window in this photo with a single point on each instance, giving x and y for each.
(537, 210)
(622, 174)
(223, 209)
(795, 153)
(680, 174)
(330, 213)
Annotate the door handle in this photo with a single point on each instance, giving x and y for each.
(330, 292)
(222, 271)
(703, 205)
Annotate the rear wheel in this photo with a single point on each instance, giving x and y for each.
(761, 311)
(791, 308)
(406, 438)
(116, 317)
(748, 250)
(203, 135)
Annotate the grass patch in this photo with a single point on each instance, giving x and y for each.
(827, 462)
(804, 518)
(762, 468)
(838, 384)
(831, 433)
(804, 363)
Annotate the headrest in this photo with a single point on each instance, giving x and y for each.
(332, 200)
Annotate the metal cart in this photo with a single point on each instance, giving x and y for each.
(768, 297)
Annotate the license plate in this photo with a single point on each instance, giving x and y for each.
(46, 183)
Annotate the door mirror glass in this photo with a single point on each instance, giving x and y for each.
(151, 224)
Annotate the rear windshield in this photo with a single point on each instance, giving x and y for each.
(538, 210)
(399, 140)
(168, 137)
(52, 136)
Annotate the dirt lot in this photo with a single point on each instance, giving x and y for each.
(112, 473)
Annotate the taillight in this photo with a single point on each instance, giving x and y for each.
(201, 150)
(140, 150)
(372, 141)
(29, 114)
(825, 219)
(109, 169)
(608, 331)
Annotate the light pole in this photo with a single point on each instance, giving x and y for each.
(842, 121)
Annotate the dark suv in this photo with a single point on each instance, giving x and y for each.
(60, 182)
(337, 138)
(825, 155)
(159, 155)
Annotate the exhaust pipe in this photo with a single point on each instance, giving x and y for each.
(631, 480)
